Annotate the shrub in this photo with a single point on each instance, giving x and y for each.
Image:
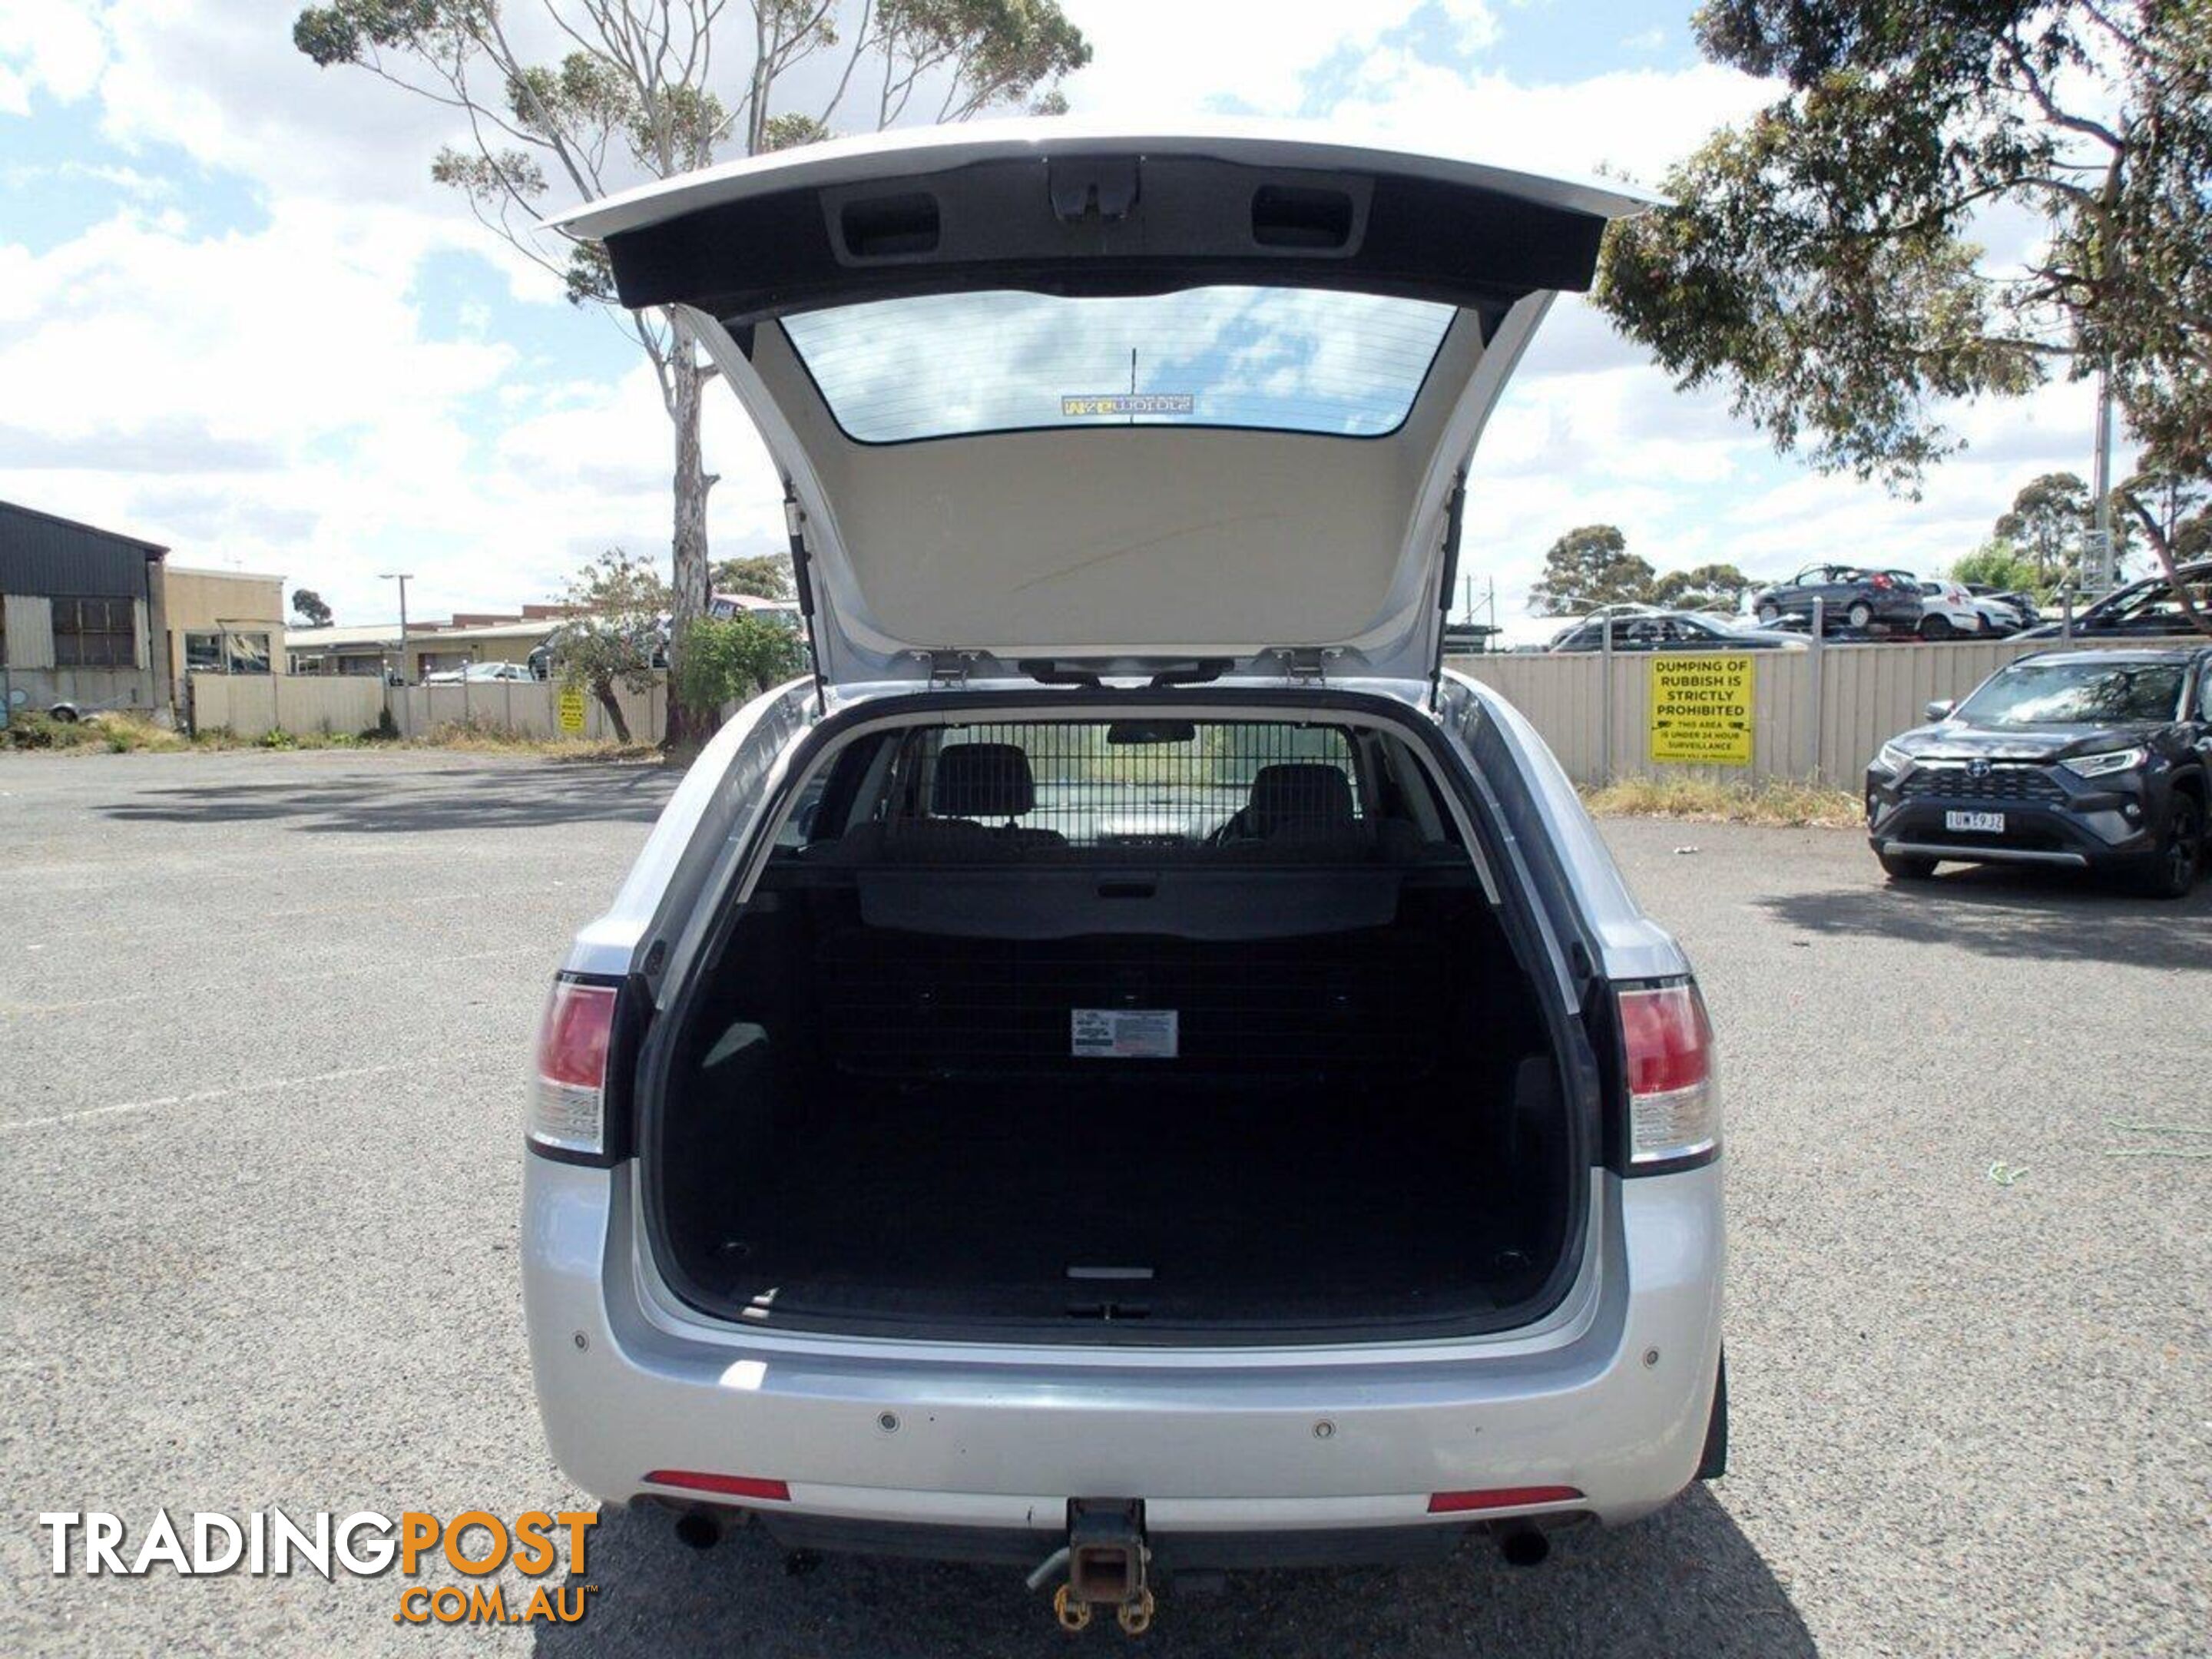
(733, 659)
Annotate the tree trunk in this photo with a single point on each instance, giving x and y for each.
(693, 579)
(605, 693)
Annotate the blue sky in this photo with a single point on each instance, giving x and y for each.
(249, 326)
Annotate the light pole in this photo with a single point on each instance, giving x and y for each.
(402, 578)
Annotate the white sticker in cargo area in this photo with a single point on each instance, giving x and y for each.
(1123, 1033)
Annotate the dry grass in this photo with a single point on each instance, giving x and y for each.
(1774, 804)
(118, 733)
(102, 733)
(472, 737)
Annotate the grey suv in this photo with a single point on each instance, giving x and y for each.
(1129, 1065)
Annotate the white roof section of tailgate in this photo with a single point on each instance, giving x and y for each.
(921, 151)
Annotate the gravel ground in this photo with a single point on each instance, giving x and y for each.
(263, 1019)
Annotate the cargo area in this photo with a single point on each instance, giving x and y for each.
(984, 1055)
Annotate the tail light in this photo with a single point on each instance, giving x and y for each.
(725, 1485)
(568, 1106)
(1500, 1498)
(1674, 1104)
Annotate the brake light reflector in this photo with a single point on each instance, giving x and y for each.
(567, 1107)
(1673, 1105)
(727, 1485)
(1500, 1498)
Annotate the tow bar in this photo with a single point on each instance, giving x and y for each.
(1105, 1557)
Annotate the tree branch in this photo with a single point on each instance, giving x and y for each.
(2052, 113)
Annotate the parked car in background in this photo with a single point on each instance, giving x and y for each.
(1674, 630)
(1948, 608)
(2091, 759)
(2146, 610)
(785, 612)
(480, 673)
(1563, 626)
(1129, 782)
(2004, 611)
(1852, 596)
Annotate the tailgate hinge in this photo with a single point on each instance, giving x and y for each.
(1306, 665)
(948, 667)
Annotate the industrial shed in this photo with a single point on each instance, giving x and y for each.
(82, 616)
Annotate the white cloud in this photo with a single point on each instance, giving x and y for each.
(1161, 59)
(53, 45)
(1635, 122)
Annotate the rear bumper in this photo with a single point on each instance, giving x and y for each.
(1170, 1551)
(890, 1440)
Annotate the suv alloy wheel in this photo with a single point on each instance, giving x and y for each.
(2174, 869)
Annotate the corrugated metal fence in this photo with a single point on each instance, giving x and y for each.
(1816, 714)
(251, 705)
(528, 708)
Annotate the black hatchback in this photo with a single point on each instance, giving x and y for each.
(2089, 759)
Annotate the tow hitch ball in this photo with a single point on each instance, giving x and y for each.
(1106, 1557)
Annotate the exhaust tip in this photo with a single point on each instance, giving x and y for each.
(1524, 1547)
(700, 1529)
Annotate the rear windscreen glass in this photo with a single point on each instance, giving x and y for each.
(1292, 360)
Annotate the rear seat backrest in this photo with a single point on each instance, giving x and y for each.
(1305, 798)
(973, 782)
(982, 780)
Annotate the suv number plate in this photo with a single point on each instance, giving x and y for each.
(1975, 823)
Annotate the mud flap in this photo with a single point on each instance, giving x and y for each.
(1714, 1464)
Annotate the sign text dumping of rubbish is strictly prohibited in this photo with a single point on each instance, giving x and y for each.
(1701, 710)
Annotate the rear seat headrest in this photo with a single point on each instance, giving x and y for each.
(1299, 795)
(983, 780)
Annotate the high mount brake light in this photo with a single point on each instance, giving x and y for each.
(567, 1105)
(1674, 1106)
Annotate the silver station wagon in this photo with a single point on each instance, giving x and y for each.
(1130, 1066)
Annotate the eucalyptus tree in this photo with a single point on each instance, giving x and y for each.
(1826, 261)
(557, 102)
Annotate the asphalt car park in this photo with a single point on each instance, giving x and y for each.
(263, 1025)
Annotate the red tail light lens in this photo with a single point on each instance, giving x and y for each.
(1673, 1108)
(568, 1108)
(1500, 1498)
(726, 1486)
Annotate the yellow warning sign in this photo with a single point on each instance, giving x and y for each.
(1701, 710)
(571, 709)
